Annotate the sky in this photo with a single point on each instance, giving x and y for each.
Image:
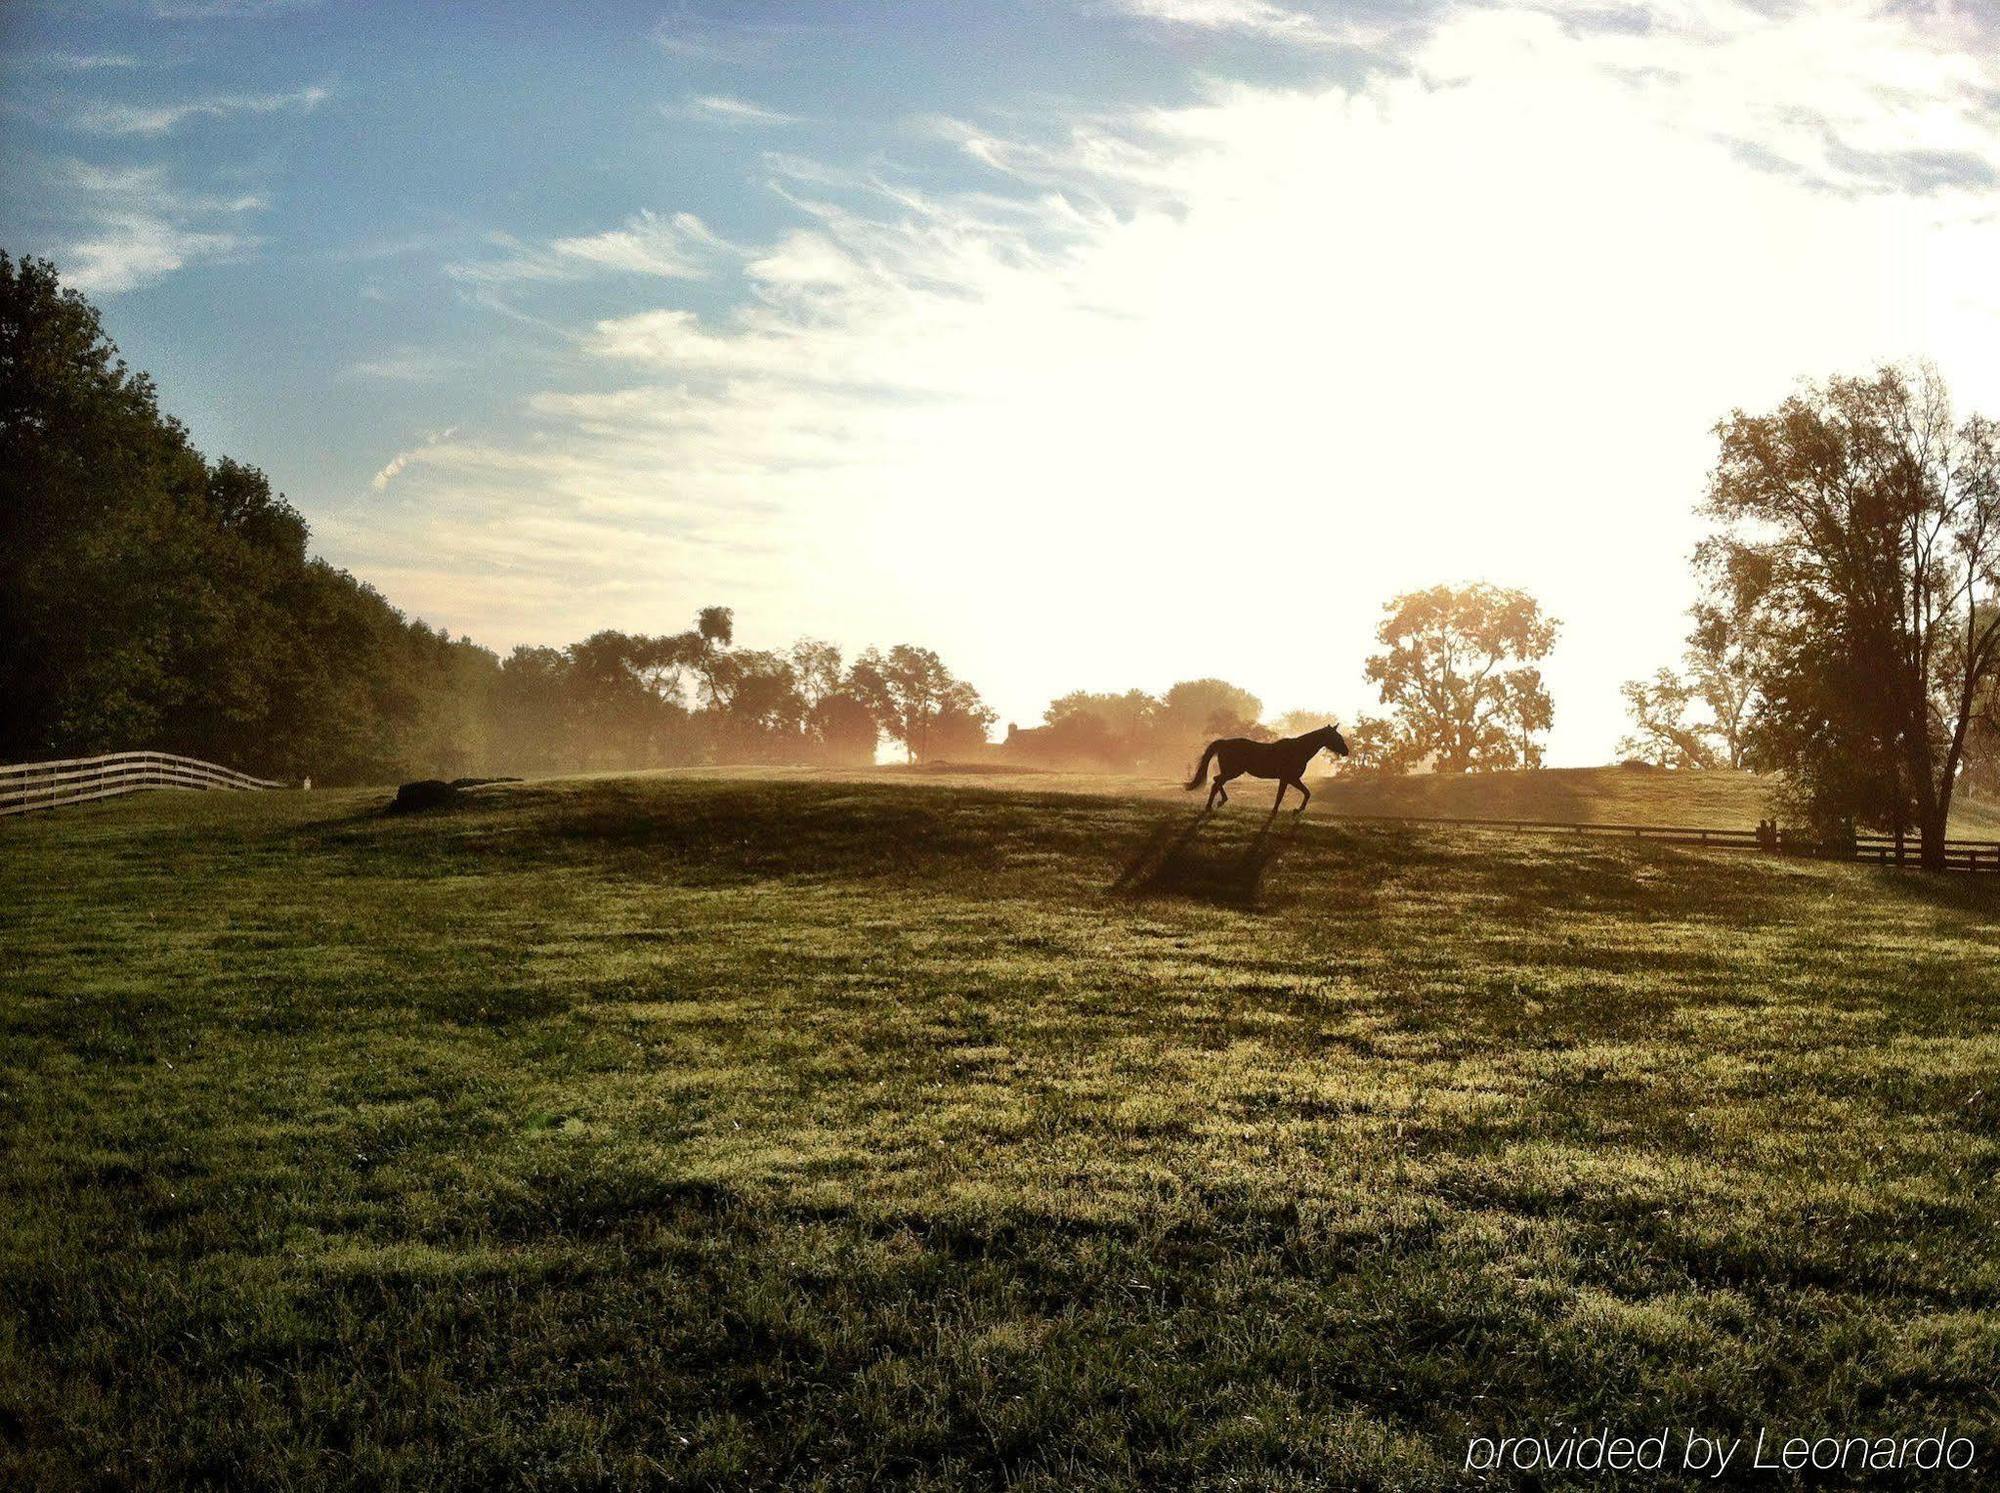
(1095, 344)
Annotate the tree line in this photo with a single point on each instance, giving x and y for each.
(152, 598)
(619, 700)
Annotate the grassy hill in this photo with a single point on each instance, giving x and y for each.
(1603, 795)
(711, 1131)
(1569, 795)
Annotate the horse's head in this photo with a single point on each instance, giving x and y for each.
(1335, 742)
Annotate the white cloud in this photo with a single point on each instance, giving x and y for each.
(158, 119)
(1273, 356)
(405, 365)
(1260, 17)
(804, 259)
(1845, 95)
(434, 443)
(226, 10)
(84, 62)
(719, 108)
(680, 247)
(141, 228)
(735, 42)
(677, 248)
(127, 252)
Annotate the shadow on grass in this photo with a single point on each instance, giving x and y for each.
(1620, 879)
(684, 831)
(1974, 897)
(1173, 863)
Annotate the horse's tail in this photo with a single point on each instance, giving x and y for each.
(1201, 772)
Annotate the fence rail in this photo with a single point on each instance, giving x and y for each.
(48, 785)
(1872, 848)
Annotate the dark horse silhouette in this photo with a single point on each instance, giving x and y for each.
(1284, 760)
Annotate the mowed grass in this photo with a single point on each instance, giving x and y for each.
(1599, 795)
(1561, 795)
(711, 1131)
(1590, 795)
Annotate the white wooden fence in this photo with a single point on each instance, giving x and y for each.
(48, 785)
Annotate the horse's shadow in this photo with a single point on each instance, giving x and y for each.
(1174, 863)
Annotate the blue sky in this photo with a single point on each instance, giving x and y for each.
(1058, 336)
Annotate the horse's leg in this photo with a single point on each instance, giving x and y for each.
(1222, 791)
(1282, 786)
(1300, 784)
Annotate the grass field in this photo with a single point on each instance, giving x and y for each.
(1615, 795)
(1570, 795)
(710, 1131)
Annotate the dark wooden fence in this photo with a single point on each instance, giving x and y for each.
(49, 785)
(1873, 849)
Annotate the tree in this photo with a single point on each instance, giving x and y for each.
(1197, 711)
(1662, 733)
(1728, 657)
(1113, 730)
(1375, 745)
(704, 648)
(917, 701)
(97, 547)
(1298, 722)
(1458, 673)
(961, 726)
(764, 694)
(839, 727)
(816, 670)
(1982, 743)
(531, 710)
(623, 704)
(1869, 518)
(1727, 661)
(844, 730)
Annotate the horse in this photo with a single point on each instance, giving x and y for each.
(1284, 760)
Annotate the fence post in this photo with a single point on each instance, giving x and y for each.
(1899, 847)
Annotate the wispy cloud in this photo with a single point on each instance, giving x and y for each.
(127, 252)
(1853, 97)
(82, 62)
(679, 247)
(718, 108)
(433, 442)
(158, 119)
(1258, 17)
(140, 227)
(407, 365)
(690, 37)
(227, 10)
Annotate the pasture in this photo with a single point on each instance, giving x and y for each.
(1617, 795)
(914, 1130)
